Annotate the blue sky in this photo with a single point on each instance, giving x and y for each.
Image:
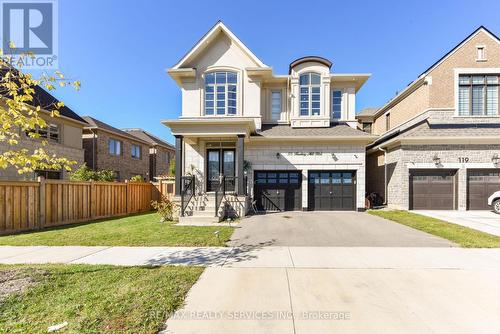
(120, 49)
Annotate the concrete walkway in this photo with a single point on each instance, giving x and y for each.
(265, 257)
(485, 221)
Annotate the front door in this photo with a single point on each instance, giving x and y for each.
(220, 161)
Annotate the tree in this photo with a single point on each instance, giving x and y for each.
(20, 112)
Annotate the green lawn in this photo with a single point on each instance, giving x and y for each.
(461, 235)
(96, 299)
(137, 230)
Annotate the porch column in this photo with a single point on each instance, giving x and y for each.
(240, 151)
(178, 165)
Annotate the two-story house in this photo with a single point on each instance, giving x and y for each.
(293, 136)
(439, 144)
(63, 135)
(109, 148)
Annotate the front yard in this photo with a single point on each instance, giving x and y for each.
(137, 230)
(91, 299)
(463, 236)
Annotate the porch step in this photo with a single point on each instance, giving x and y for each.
(198, 220)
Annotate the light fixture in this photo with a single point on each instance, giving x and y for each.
(495, 159)
(277, 155)
(436, 160)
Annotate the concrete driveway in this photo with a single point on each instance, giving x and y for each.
(334, 229)
(486, 221)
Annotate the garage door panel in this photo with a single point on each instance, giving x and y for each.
(432, 190)
(331, 190)
(278, 190)
(481, 184)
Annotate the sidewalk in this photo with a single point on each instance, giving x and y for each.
(264, 257)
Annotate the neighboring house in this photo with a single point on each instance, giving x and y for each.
(439, 145)
(294, 136)
(63, 135)
(109, 148)
(161, 153)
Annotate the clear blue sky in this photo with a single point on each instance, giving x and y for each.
(120, 49)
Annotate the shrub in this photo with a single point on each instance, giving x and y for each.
(137, 178)
(165, 209)
(84, 173)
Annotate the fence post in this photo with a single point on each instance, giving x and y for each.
(41, 196)
(127, 196)
(160, 185)
(93, 202)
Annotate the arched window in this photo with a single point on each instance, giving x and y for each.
(310, 93)
(220, 93)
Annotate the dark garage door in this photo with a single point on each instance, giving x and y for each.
(278, 190)
(432, 190)
(332, 190)
(481, 184)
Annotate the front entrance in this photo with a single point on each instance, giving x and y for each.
(220, 162)
(278, 190)
(332, 190)
(432, 189)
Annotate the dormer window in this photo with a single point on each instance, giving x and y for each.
(310, 94)
(220, 93)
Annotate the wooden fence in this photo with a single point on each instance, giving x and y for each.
(28, 206)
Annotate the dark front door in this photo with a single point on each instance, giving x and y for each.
(220, 161)
(332, 190)
(432, 190)
(481, 184)
(278, 190)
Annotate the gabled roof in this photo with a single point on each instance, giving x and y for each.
(421, 78)
(204, 42)
(367, 112)
(146, 136)
(97, 124)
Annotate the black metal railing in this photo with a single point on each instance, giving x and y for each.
(220, 192)
(187, 191)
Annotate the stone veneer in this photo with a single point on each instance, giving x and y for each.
(401, 159)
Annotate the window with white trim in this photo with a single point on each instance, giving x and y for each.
(478, 95)
(114, 147)
(276, 105)
(336, 104)
(220, 93)
(310, 94)
(50, 132)
(481, 56)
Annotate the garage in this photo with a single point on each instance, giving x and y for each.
(332, 190)
(481, 184)
(432, 190)
(278, 190)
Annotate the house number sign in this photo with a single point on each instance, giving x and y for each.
(463, 160)
(304, 153)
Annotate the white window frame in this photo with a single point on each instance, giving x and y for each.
(472, 71)
(310, 86)
(135, 146)
(280, 92)
(481, 53)
(341, 104)
(226, 93)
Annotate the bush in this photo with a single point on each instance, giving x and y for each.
(165, 209)
(137, 178)
(84, 173)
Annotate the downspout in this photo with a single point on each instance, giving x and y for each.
(93, 149)
(385, 174)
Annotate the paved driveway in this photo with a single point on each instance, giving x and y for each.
(486, 221)
(329, 229)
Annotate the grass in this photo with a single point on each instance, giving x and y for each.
(461, 235)
(137, 230)
(96, 299)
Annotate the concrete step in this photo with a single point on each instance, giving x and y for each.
(197, 219)
(203, 213)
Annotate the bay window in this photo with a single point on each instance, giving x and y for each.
(478, 95)
(220, 93)
(310, 94)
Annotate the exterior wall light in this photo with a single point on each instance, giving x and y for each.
(496, 159)
(436, 160)
(277, 155)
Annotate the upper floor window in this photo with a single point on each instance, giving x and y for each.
(276, 105)
(310, 94)
(367, 127)
(51, 132)
(136, 151)
(478, 95)
(115, 147)
(336, 104)
(220, 93)
(387, 121)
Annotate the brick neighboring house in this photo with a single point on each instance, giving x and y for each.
(107, 147)
(161, 153)
(439, 144)
(63, 135)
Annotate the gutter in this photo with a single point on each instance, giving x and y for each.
(385, 174)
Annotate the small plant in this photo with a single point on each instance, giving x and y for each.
(137, 178)
(165, 209)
